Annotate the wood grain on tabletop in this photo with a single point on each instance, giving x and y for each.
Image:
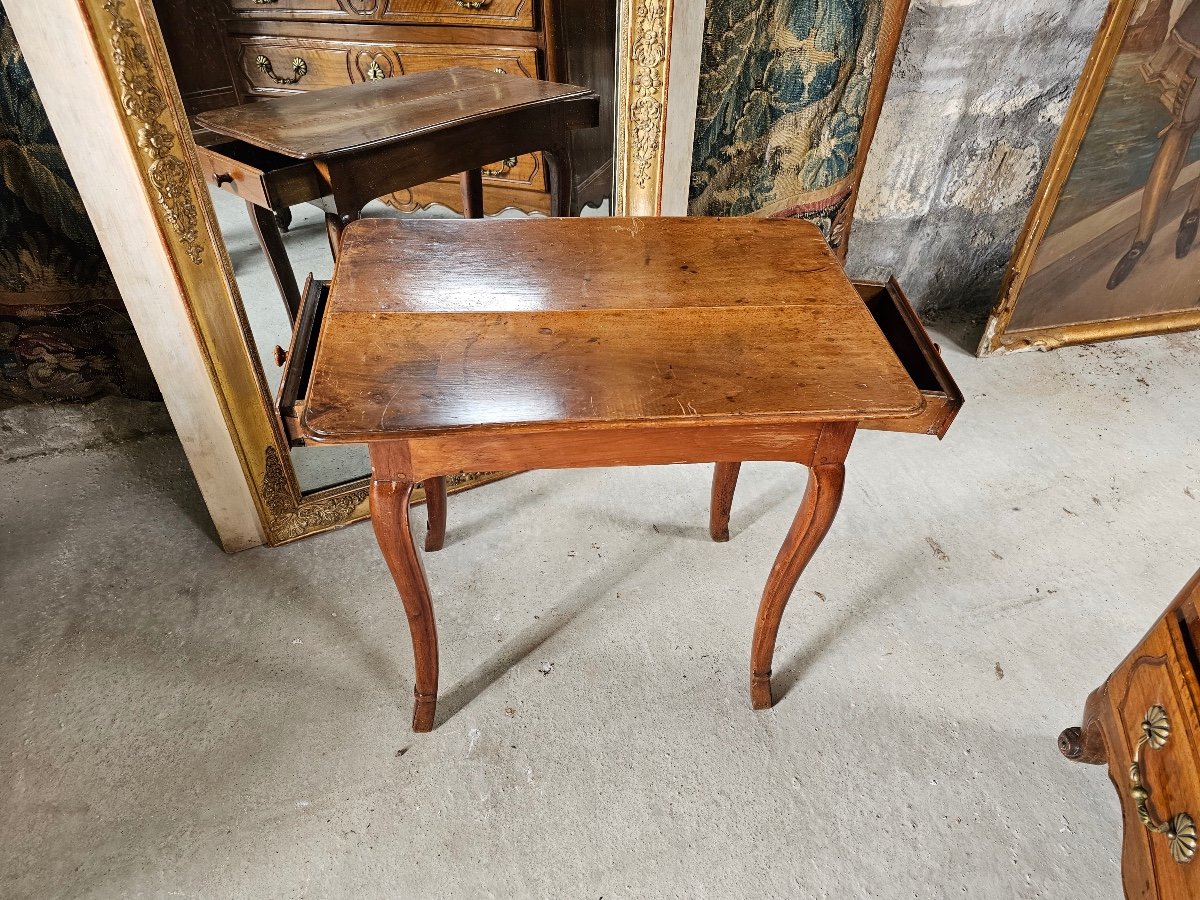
(440, 325)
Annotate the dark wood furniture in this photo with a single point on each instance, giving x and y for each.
(601, 342)
(195, 36)
(1144, 723)
(341, 148)
(279, 47)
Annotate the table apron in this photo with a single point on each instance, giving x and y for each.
(416, 459)
(355, 179)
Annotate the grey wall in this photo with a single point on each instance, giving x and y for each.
(978, 93)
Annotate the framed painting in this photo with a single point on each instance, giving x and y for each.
(1109, 249)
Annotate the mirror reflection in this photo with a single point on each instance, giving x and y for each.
(229, 54)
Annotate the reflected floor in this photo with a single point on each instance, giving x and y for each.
(308, 249)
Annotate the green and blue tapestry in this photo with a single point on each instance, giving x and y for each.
(64, 334)
(784, 88)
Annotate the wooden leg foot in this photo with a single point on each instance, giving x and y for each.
(822, 496)
(435, 506)
(725, 476)
(424, 710)
(1083, 746)
(393, 530)
(760, 690)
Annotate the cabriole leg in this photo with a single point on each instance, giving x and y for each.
(393, 530)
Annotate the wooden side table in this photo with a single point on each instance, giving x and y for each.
(601, 342)
(341, 148)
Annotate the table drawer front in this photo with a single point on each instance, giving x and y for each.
(297, 364)
(258, 176)
(1154, 708)
(919, 355)
(483, 13)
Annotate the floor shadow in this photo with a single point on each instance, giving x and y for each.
(549, 624)
(745, 513)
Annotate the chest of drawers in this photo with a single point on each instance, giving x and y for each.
(1143, 723)
(280, 47)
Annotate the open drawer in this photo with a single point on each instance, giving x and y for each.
(298, 362)
(887, 303)
(266, 179)
(920, 357)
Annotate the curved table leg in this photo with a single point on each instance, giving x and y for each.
(390, 516)
(725, 476)
(435, 506)
(822, 496)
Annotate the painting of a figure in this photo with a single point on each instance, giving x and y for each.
(789, 94)
(1118, 254)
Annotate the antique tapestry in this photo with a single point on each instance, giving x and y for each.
(784, 106)
(64, 334)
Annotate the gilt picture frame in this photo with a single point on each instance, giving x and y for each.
(1107, 250)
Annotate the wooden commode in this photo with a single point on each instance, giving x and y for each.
(602, 342)
(224, 51)
(1144, 724)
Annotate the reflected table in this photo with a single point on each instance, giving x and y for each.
(341, 148)
(603, 342)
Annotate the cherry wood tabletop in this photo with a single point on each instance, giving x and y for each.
(347, 119)
(593, 323)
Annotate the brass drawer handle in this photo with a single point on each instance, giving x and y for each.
(1180, 829)
(299, 69)
(473, 4)
(501, 169)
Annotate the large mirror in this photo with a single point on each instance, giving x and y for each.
(186, 253)
(226, 53)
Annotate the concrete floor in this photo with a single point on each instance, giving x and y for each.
(175, 722)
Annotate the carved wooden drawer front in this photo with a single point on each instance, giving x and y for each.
(493, 13)
(300, 8)
(273, 66)
(489, 13)
(1154, 706)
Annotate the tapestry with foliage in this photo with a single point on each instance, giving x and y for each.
(784, 88)
(64, 334)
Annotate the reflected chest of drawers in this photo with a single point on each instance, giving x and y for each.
(279, 47)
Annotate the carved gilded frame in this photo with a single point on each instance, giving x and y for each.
(133, 65)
